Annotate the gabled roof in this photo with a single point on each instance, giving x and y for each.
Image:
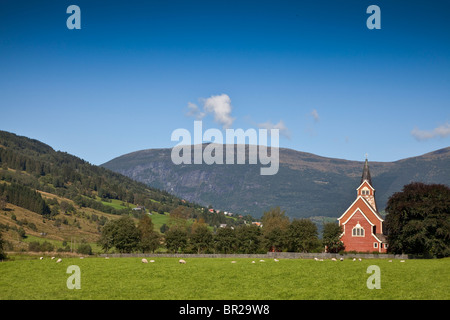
(358, 209)
(367, 184)
(367, 204)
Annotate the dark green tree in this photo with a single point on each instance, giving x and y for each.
(248, 238)
(121, 234)
(176, 239)
(331, 237)
(2, 250)
(149, 238)
(418, 220)
(225, 240)
(275, 225)
(201, 238)
(302, 236)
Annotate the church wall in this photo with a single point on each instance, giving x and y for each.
(359, 243)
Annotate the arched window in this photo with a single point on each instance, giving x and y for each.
(358, 231)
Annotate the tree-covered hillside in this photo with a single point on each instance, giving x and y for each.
(28, 165)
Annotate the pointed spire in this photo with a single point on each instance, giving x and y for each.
(366, 173)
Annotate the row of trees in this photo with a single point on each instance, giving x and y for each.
(417, 222)
(277, 234)
(24, 197)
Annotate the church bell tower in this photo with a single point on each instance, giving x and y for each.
(365, 189)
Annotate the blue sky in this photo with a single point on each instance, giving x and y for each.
(125, 81)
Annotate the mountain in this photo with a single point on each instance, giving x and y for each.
(306, 185)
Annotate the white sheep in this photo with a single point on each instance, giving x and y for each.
(152, 260)
(53, 258)
(402, 260)
(390, 261)
(233, 261)
(354, 259)
(253, 261)
(333, 259)
(59, 260)
(342, 259)
(182, 261)
(261, 261)
(316, 259)
(41, 258)
(360, 259)
(276, 260)
(144, 261)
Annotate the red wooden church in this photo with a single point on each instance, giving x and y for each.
(361, 222)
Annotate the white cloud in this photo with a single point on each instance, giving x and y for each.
(284, 131)
(441, 131)
(194, 111)
(315, 115)
(219, 106)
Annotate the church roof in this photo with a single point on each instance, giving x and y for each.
(366, 173)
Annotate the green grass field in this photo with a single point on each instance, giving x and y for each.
(219, 279)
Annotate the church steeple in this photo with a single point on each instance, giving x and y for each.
(366, 189)
(366, 173)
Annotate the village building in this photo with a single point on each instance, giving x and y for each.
(361, 223)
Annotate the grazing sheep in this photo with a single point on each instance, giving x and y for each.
(53, 258)
(354, 259)
(360, 259)
(402, 260)
(182, 261)
(106, 257)
(59, 260)
(253, 261)
(41, 258)
(333, 259)
(144, 261)
(316, 259)
(342, 259)
(233, 261)
(261, 261)
(276, 260)
(390, 261)
(152, 260)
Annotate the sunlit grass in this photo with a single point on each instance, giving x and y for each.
(219, 279)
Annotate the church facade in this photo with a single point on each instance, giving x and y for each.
(361, 223)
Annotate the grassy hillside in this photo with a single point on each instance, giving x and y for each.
(54, 197)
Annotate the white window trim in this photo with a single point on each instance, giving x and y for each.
(358, 229)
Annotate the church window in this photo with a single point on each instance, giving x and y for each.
(358, 231)
(375, 244)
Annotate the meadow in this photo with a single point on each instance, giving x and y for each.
(220, 279)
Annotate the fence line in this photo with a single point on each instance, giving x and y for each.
(268, 255)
